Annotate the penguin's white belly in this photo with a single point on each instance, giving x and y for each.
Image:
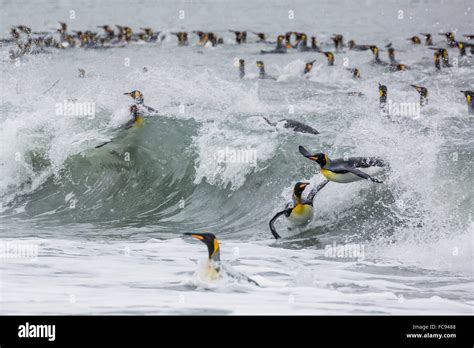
(301, 214)
(340, 178)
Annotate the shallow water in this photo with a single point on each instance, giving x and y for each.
(106, 231)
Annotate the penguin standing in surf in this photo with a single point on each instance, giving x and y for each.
(300, 210)
(261, 72)
(344, 170)
(214, 267)
(470, 101)
(423, 94)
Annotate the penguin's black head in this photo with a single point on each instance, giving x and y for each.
(136, 95)
(241, 62)
(211, 242)
(382, 90)
(351, 44)
(422, 90)
(319, 157)
(260, 64)
(374, 49)
(280, 38)
(299, 188)
(469, 96)
(391, 52)
(308, 67)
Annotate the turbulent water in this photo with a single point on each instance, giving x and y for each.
(107, 223)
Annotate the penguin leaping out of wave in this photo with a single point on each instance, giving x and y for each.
(138, 99)
(297, 126)
(215, 268)
(137, 120)
(300, 210)
(344, 170)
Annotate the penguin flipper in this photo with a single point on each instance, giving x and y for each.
(363, 175)
(272, 221)
(318, 188)
(303, 151)
(99, 146)
(366, 162)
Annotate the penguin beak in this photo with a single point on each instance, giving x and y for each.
(129, 93)
(197, 236)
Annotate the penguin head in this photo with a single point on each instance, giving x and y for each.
(211, 242)
(260, 64)
(298, 189)
(422, 90)
(415, 39)
(136, 95)
(280, 38)
(321, 158)
(375, 50)
(469, 95)
(241, 62)
(351, 44)
(308, 67)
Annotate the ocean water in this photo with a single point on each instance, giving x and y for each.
(99, 231)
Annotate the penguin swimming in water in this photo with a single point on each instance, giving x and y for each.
(138, 99)
(314, 44)
(241, 68)
(261, 72)
(182, 38)
(470, 101)
(428, 39)
(415, 40)
(423, 94)
(355, 73)
(300, 210)
(353, 47)
(262, 37)
(394, 65)
(329, 56)
(338, 40)
(449, 38)
(215, 267)
(280, 46)
(297, 126)
(308, 67)
(443, 55)
(240, 36)
(344, 170)
(376, 60)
